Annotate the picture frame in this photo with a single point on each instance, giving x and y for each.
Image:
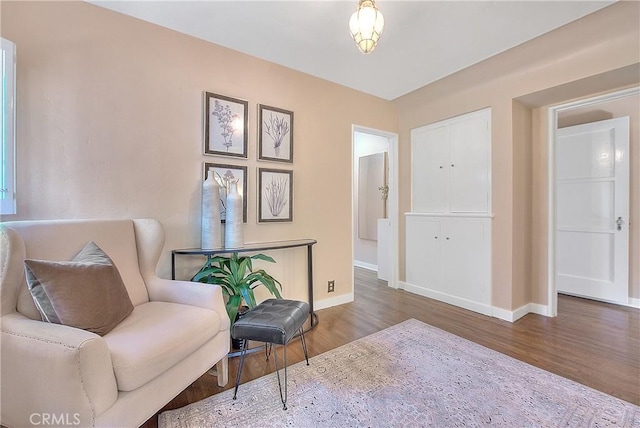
(226, 125)
(275, 195)
(275, 134)
(223, 174)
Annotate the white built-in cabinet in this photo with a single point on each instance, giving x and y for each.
(448, 258)
(450, 169)
(448, 231)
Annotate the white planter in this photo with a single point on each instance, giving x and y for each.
(211, 223)
(233, 231)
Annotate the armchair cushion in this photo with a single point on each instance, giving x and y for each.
(155, 337)
(86, 293)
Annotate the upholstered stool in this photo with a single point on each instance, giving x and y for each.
(274, 321)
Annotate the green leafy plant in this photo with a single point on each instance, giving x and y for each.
(238, 279)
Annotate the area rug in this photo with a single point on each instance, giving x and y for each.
(410, 375)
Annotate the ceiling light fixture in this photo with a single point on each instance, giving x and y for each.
(366, 26)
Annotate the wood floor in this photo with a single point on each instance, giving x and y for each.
(596, 344)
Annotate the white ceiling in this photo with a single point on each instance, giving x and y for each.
(423, 41)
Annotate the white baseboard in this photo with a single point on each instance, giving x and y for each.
(446, 298)
(481, 308)
(365, 265)
(502, 314)
(511, 316)
(333, 301)
(634, 303)
(544, 310)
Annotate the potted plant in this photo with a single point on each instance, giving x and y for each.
(238, 280)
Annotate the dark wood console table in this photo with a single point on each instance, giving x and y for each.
(259, 246)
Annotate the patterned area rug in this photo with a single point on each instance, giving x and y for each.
(410, 375)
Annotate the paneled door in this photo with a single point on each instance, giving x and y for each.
(592, 210)
(424, 258)
(468, 165)
(430, 154)
(466, 258)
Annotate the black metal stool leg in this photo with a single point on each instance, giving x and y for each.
(267, 349)
(275, 358)
(239, 372)
(304, 345)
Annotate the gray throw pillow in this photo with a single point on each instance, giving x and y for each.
(86, 293)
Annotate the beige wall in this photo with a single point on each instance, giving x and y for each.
(110, 125)
(110, 121)
(522, 178)
(562, 63)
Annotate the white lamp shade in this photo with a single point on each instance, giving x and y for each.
(366, 26)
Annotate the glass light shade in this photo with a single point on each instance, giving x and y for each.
(366, 26)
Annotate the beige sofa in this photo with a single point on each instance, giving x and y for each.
(54, 373)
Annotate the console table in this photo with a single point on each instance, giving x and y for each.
(258, 246)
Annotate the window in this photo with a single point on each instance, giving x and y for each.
(7, 129)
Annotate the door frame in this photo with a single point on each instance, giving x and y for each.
(392, 197)
(552, 124)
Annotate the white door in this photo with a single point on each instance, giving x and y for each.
(592, 210)
(465, 258)
(429, 158)
(424, 258)
(469, 164)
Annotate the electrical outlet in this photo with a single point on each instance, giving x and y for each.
(331, 286)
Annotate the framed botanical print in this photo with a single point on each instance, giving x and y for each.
(223, 175)
(275, 195)
(225, 125)
(275, 134)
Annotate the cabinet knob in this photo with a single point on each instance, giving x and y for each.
(435, 237)
(441, 167)
(452, 165)
(447, 238)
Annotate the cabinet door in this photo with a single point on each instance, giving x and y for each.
(423, 260)
(469, 165)
(465, 258)
(429, 153)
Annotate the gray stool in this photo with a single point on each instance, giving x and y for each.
(274, 321)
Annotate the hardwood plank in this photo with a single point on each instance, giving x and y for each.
(593, 343)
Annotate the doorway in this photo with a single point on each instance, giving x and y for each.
(589, 197)
(375, 202)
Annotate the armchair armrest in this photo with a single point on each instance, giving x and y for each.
(208, 296)
(53, 369)
(150, 240)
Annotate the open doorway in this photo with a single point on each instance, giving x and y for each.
(374, 208)
(593, 200)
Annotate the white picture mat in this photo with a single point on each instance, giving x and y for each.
(275, 194)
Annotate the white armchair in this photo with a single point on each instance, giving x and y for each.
(177, 331)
